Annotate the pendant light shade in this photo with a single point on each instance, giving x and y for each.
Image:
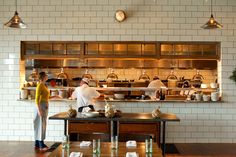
(212, 23)
(15, 21)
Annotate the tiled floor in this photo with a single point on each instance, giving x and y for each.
(25, 149)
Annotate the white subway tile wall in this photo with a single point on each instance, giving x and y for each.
(148, 20)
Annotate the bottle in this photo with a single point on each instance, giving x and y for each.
(150, 146)
(116, 142)
(146, 146)
(98, 146)
(94, 146)
(65, 142)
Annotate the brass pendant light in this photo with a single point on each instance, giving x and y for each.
(212, 23)
(15, 21)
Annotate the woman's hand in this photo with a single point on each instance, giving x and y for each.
(40, 112)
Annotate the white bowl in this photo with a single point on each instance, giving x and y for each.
(213, 85)
(206, 98)
(119, 96)
(91, 114)
(204, 85)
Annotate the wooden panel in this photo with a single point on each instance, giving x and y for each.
(73, 48)
(45, 48)
(89, 127)
(180, 49)
(105, 49)
(166, 49)
(148, 49)
(120, 49)
(209, 49)
(138, 128)
(91, 48)
(31, 49)
(142, 129)
(59, 48)
(134, 49)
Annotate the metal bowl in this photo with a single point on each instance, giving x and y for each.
(91, 114)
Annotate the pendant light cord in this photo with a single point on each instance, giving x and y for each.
(211, 6)
(16, 4)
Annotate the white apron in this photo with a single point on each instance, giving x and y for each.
(40, 122)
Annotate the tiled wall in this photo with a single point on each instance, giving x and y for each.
(93, 20)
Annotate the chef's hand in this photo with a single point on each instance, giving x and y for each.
(55, 97)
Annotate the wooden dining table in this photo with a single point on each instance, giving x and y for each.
(106, 150)
(117, 122)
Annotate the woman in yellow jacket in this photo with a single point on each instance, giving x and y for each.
(41, 112)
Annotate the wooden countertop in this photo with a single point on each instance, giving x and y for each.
(131, 117)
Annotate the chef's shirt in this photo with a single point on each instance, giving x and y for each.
(85, 95)
(154, 84)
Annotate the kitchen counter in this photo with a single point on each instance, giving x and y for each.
(131, 100)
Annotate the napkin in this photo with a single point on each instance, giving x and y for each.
(85, 143)
(131, 144)
(76, 154)
(131, 154)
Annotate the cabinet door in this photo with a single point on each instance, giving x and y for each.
(166, 49)
(181, 50)
(195, 50)
(73, 49)
(45, 48)
(120, 49)
(91, 49)
(31, 49)
(209, 49)
(105, 49)
(59, 48)
(134, 49)
(149, 49)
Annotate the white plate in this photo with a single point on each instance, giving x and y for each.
(91, 114)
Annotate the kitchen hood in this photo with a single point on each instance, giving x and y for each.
(124, 63)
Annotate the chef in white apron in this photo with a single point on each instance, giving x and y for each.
(156, 83)
(85, 95)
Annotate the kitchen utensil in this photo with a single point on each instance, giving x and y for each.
(54, 92)
(203, 85)
(206, 98)
(119, 96)
(32, 93)
(62, 93)
(91, 114)
(23, 94)
(214, 96)
(198, 97)
(214, 85)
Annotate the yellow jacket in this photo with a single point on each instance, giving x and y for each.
(42, 94)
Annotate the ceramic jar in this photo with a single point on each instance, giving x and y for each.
(214, 96)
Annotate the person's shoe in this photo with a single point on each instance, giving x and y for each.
(42, 146)
(36, 144)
